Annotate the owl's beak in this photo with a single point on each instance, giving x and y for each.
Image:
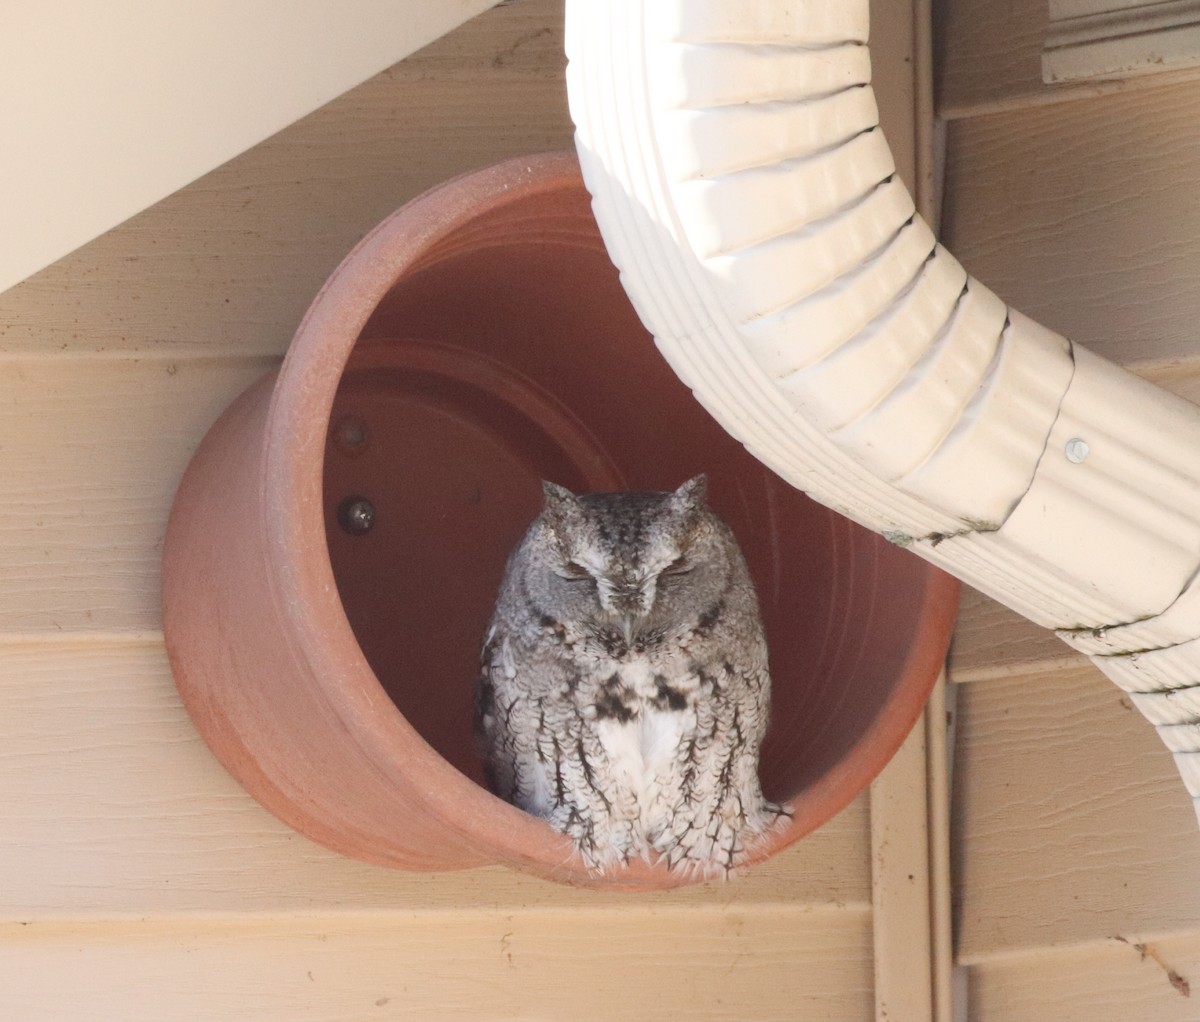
(627, 628)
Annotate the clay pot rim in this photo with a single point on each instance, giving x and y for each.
(292, 456)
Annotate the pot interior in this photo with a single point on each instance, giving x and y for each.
(509, 354)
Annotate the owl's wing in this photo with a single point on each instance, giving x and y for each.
(495, 673)
(521, 704)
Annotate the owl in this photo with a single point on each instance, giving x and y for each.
(624, 689)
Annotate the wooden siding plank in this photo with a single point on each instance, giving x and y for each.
(901, 883)
(938, 736)
(991, 641)
(74, 560)
(138, 880)
(1067, 212)
(911, 884)
(987, 53)
(1070, 823)
(1104, 40)
(647, 964)
(229, 264)
(895, 78)
(517, 39)
(92, 452)
(1119, 981)
(989, 59)
(112, 806)
(1106, 264)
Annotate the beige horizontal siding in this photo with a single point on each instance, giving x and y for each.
(1075, 846)
(1121, 980)
(988, 58)
(1070, 822)
(991, 641)
(229, 264)
(92, 453)
(541, 965)
(1079, 215)
(137, 879)
(987, 53)
(114, 807)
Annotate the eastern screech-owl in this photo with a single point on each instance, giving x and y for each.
(624, 690)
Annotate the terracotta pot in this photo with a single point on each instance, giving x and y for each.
(475, 342)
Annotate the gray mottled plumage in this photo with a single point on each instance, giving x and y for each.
(624, 690)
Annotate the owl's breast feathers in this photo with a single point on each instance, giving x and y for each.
(639, 685)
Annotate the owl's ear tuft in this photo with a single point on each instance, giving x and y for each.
(556, 495)
(692, 495)
(560, 504)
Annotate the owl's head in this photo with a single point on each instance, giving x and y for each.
(633, 562)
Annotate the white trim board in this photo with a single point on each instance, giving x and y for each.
(1104, 39)
(108, 106)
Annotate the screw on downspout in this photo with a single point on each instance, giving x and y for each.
(1077, 450)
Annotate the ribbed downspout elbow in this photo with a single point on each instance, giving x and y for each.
(746, 191)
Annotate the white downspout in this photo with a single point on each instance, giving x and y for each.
(744, 188)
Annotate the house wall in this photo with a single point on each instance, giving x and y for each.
(76, 75)
(137, 880)
(1076, 849)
